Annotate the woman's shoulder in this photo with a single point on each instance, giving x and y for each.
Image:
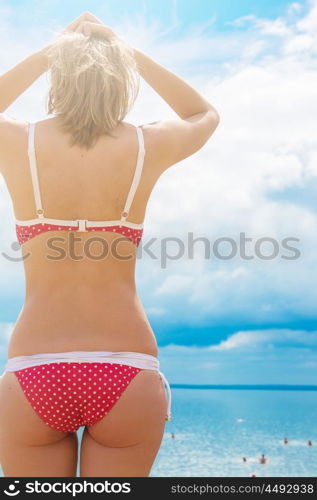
(8, 124)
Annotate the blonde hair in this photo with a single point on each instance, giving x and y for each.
(94, 84)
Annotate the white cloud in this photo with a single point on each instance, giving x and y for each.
(294, 8)
(299, 43)
(265, 146)
(255, 338)
(243, 20)
(175, 284)
(247, 361)
(277, 27)
(309, 22)
(156, 311)
(5, 333)
(312, 163)
(5, 330)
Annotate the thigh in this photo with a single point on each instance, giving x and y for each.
(125, 442)
(28, 446)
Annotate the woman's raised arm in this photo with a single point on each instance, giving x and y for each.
(18, 79)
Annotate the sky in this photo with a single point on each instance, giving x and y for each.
(251, 317)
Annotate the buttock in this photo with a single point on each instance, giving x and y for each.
(68, 395)
(78, 388)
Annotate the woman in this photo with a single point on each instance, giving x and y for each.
(82, 352)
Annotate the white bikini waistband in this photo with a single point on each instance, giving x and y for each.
(135, 359)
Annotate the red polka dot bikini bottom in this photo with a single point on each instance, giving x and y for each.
(78, 388)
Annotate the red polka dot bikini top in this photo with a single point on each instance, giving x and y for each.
(27, 229)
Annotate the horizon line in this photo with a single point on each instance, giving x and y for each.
(276, 387)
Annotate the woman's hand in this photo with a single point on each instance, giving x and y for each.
(88, 25)
(89, 28)
(85, 17)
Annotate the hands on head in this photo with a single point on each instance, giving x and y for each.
(88, 25)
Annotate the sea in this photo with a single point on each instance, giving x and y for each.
(212, 429)
(215, 428)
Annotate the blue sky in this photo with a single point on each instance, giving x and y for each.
(187, 12)
(256, 61)
(166, 12)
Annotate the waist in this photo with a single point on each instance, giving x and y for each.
(44, 326)
(81, 309)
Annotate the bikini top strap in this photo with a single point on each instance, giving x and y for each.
(137, 174)
(34, 172)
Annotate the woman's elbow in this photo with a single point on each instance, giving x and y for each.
(214, 119)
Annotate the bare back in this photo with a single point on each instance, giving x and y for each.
(80, 287)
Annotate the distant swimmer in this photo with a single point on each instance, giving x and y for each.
(310, 443)
(172, 435)
(244, 459)
(285, 441)
(253, 475)
(263, 459)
